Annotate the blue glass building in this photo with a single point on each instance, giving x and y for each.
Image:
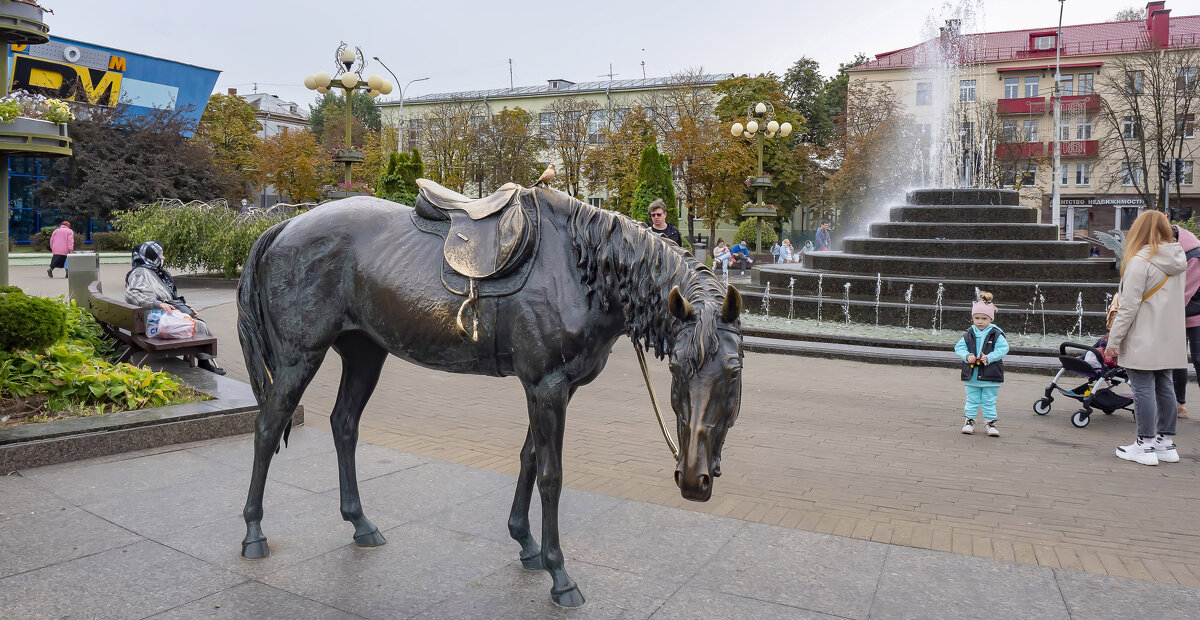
(76, 71)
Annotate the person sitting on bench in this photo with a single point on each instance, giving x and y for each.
(150, 286)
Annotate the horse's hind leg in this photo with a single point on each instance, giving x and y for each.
(362, 361)
(518, 519)
(274, 416)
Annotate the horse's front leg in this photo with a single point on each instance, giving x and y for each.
(547, 416)
(362, 362)
(518, 518)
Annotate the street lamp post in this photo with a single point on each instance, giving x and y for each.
(750, 131)
(400, 116)
(349, 79)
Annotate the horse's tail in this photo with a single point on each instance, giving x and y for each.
(257, 334)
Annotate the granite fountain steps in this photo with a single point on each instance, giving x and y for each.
(967, 249)
(1038, 270)
(964, 230)
(968, 196)
(982, 214)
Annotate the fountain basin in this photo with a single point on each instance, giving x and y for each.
(964, 230)
(1084, 270)
(964, 213)
(969, 249)
(947, 196)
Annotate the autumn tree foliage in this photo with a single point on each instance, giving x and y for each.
(569, 135)
(229, 128)
(612, 166)
(290, 161)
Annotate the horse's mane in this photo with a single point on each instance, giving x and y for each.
(620, 260)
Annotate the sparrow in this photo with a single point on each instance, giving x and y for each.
(546, 177)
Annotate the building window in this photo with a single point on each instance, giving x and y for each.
(966, 90)
(924, 93)
(1082, 217)
(1134, 82)
(1029, 130)
(546, 124)
(1185, 125)
(1087, 82)
(1044, 42)
(414, 131)
(1031, 86)
(1127, 216)
(1083, 128)
(1064, 174)
(1185, 79)
(1012, 87)
(1009, 132)
(1029, 177)
(1065, 131)
(596, 125)
(1187, 172)
(1131, 128)
(1066, 85)
(1131, 173)
(1083, 174)
(596, 202)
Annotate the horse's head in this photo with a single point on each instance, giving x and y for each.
(706, 387)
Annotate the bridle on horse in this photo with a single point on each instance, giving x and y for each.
(662, 425)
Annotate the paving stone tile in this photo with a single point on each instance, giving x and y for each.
(239, 452)
(690, 603)
(20, 496)
(134, 581)
(604, 586)
(476, 602)
(254, 601)
(927, 584)
(420, 566)
(43, 538)
(1102, 596)
(816, 572)
(98, 482)
(319, 472)
(487, 516)
(296, 531)
(156, 513)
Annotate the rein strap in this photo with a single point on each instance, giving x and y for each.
(662, 425)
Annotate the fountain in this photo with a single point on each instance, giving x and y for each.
(878, 287)
(908, 307)
(937, 312)
(791, 298)
(1079, 313)
(820, 278)
(766, 300)
(846, 303)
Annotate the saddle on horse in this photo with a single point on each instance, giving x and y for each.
(486, 239)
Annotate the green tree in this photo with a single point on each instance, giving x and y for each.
(332, 105)
(654, 182)
(229, 128)
(398, 182)
(834, 94)
(291, 160)
(613, 165)
(805, 88)
(509, 147)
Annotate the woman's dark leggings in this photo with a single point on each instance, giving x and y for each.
(1180, 375)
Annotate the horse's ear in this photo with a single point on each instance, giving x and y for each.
(732, 308)
(679, 307)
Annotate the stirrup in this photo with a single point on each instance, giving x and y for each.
(472, 303)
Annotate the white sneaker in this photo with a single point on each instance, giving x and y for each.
(992, 431)
(1139, 451)
(1164, 449)
(969, 427)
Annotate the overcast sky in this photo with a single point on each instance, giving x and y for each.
(465, 45)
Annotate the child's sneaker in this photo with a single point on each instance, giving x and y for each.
(992, 431)
(1141, 451)
(1164, 449)
(969, 427)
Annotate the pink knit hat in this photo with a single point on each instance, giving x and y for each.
(984, 306)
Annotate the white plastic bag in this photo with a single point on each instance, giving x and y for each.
(173, 325)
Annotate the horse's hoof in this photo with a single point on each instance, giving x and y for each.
(533, 562)
(571, 597)
(255, 549)
(370, 539)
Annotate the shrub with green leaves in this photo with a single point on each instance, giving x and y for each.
(29, 323)
(111, 241)
(748, 231)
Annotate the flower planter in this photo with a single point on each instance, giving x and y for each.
(763, 181)
(22, 23)
(32, 137)
(354, 157)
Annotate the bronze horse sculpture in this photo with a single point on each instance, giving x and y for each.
(370, 277)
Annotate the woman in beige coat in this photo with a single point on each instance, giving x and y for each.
(1147, 335)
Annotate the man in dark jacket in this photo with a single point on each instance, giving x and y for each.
(658, 222)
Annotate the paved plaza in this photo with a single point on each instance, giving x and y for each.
(852, 473)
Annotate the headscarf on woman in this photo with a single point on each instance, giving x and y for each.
(150, 256)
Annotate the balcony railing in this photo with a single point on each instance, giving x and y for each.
(1020, 150)
(1076, 104)
(1071, 104)
(1023, 105)
(1077, 148)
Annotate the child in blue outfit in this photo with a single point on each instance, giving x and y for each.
(980, 349)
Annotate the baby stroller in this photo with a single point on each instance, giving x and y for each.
(1097, 389)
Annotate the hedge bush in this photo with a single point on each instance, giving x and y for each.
(197, 236)
(29, 323)
(111, 241)
(748, 231)
(40, 241)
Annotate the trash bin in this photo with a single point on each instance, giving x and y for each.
(83, 268)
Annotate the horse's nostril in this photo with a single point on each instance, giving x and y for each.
(678, 478)
(705, 483)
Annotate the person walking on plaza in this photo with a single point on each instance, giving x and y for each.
(62, 242)
(822, 240)
(1147, 335)
(658, 222)
(980, 349)
(1191, 284)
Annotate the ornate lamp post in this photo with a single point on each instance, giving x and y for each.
(400, 116)
(349, 79)
(766, 112)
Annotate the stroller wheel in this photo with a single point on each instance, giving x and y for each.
(1042, 406)
(1081, 418)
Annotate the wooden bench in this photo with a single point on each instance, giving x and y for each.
(126, 324)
